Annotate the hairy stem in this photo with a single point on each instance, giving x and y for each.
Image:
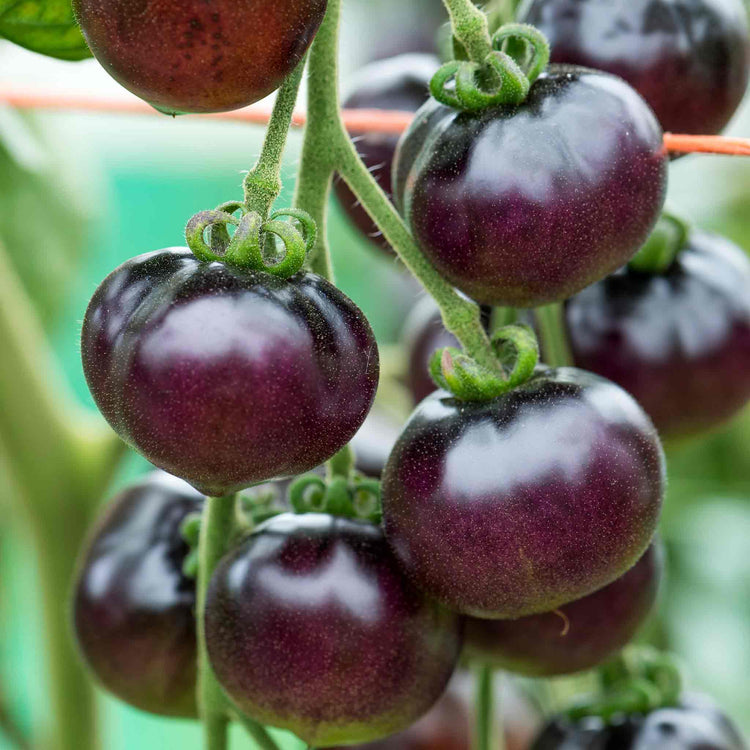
(554, 339)
(328, 148)
(470, 27)
(217, 530)
(317, 166)
(263, 181)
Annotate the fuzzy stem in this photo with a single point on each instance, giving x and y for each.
(317, 166)
(470, 28)
(554, 339)
(217, 530)
(263, 181)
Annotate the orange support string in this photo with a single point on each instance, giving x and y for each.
(356, 120)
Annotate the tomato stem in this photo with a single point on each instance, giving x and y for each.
(327, 148)
(470, 28)
(218, 530)
(486, 734)
(553, 336)
(263, 182)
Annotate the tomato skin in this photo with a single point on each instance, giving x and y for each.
(197, 56)
(133, 607)
(522, 504)
(687, 58)
(696, 724)
(311, 626)
(578, 636)
(227, 378)
(525, 206)
(677, 341)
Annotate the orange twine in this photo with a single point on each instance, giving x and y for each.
(356, 120)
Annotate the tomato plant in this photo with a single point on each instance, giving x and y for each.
(275, 578)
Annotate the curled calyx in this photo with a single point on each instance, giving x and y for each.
(518, 55)
(253, 244)
(354, 496)
(638, 681)
(517, 352)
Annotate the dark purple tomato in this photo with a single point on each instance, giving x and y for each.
(696, 724)
(524, 206)
(678, 341)
(199, 55)
(687, 58)
(577, 636)
(423, 334)
(401, 83)
(524, 503)
(223, 377)
(133, 607)
(312, 626)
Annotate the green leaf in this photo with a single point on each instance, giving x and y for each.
(44, 26)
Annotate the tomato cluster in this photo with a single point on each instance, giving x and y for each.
(518, 525)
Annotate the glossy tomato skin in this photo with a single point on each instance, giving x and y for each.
(579, 635)
(525, 503)
(227, 378)
(524, 206)
(311, 626)
(696, 724)
(687, 58)
(678, 341)
(133, 607)
(198, 56)
(400, 83)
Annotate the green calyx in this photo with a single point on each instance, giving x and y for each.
(354, 496)
(517, 352)
(253, 245)
(668, 237)
(504, 75)
(640, 680)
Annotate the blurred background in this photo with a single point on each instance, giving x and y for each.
(80, 193)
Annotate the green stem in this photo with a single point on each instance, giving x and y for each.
(328, 148)
(317, 163)
(217, 531)
(554, 338)
(219, 526)
(263, 181)
(486, 736)
(470, 27)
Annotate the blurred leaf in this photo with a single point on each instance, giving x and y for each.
(44, 26)
(42, 224)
